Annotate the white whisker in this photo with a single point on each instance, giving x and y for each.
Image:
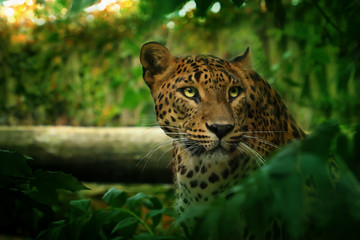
(171, 133)
(261, 140)
(170, 127)
(253, 152)
(157, 147)
(265, 131)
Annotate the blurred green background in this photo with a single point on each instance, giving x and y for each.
(76, 63)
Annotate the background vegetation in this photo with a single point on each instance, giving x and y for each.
(61, 65)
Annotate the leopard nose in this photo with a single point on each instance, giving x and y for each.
(220, 130)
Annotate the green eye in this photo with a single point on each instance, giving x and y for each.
(234, 92)
(190, 92)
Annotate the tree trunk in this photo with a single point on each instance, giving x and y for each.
(95, 154)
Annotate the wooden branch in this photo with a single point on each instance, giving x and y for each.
(95, 154)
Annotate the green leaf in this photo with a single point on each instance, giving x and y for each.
(238, 3)
(80, 208)
(48, 196)
(115, 197)
(14, 164)
(135, 200)
(7, 182)
(280, 169)
(46, 180)
(320, 141)
(124, 223)
(94, 228)
(55, 231)
(46, 183)
(80, 214)
(155, 212)
(153, 203)
(193, 212)
(342, 147)
(156, 215)
(79, 5)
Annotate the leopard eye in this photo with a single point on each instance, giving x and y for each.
(234, 92)
(189, 92)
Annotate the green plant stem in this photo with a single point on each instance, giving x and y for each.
(140, 220)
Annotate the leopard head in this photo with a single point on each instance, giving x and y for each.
(213, 106)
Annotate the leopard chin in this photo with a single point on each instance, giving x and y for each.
(216, 156)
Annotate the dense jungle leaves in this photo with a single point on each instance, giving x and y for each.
(33, 209)
(328, 209)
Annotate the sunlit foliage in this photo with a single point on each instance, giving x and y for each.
(76, 62)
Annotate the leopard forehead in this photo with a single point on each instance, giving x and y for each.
(210, 75)
(206, 71)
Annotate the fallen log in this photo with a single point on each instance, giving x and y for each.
(126, 154)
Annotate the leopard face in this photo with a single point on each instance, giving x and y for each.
(216, 109)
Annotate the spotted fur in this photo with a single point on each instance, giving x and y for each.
(218, 139)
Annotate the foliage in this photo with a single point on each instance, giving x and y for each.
(32, 207)
(27, 193)
(277, 190)
(123, 220)
(61, 73)
(81, 68)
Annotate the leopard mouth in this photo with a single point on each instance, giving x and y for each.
(218, 149)
(196, 149)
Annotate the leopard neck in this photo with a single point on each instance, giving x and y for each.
(198, 179)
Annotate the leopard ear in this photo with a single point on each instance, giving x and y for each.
(243, 59)
(155, 59)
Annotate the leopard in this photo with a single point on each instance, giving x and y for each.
(224, 119)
